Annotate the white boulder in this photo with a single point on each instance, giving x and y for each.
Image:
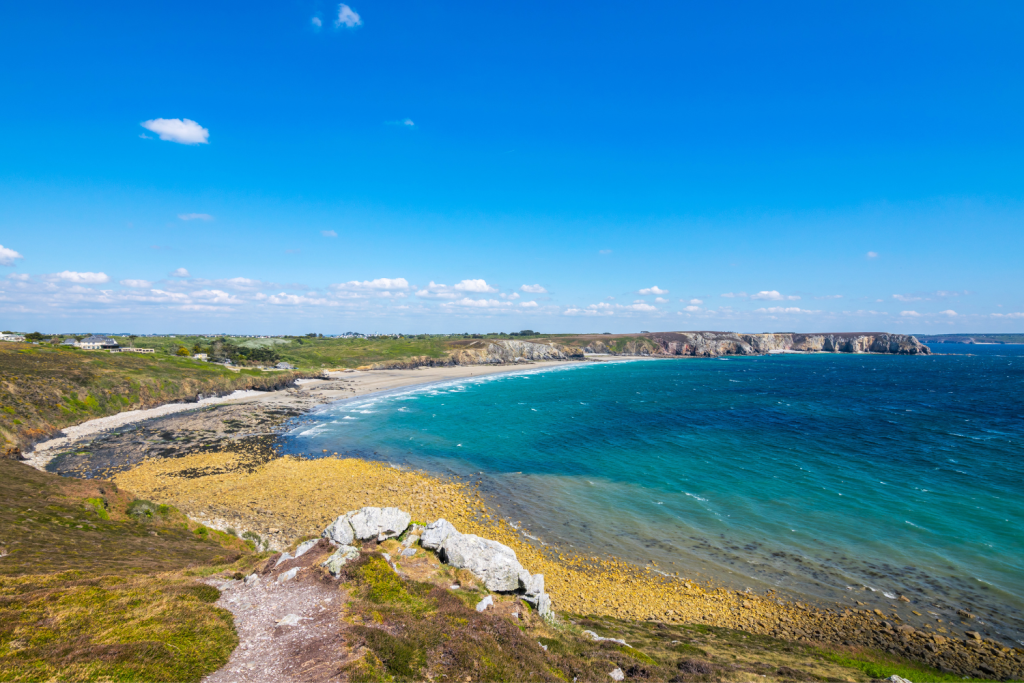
(367, 523)
(494, 563)
(340, 558)
(435, 533)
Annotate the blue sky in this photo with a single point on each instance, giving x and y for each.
(307, 166)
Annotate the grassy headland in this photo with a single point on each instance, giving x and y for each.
(97, 585)
(44, 389)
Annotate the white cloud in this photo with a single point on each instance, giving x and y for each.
(137, 284)
(910, 314)
(478, 303)
(692, 309)
(20, 277)
(380, 284)
(533, 289)
(872, 254)
(695, 302)
(829, 296)
(242, 283)
(408, 122)
(785, 310)
(737, 295)
(528, 304)
(610, 309)
(653, 290)
(605, 251)
(183, 131)
(8, 256)
(436, 291)
(479, 286)
(661, 301)
(283, 299)
(772, 296)
(82, 278)
(216, 296)
(949, 314)
(906, 298)
(1008, 315)
(180, 272)
(347, 17)
(195, 216)
(328, 233)
(511, 297)
(316, 22)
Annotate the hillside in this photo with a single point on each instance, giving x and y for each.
(44, 389)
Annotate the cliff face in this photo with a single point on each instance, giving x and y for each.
(713, 344)
(705, 344)
(495, 352)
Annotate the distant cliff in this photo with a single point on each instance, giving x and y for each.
(487, 352)
(713, 344)
(703, 344)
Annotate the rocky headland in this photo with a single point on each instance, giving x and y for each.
(660, 344)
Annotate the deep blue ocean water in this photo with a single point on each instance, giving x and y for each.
(824, 476)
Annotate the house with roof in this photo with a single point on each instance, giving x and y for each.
(11, 338)
(97, 343)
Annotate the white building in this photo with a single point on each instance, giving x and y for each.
(97, 343)
(11, 338)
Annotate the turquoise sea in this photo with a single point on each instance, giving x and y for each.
(829, 477)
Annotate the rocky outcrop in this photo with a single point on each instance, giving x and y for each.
(493, 563)
(714, 344)
(487, 352)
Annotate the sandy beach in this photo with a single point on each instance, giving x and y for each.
(304, 395)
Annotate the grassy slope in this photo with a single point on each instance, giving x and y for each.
(418, 628)
(44, 389)
(90, 592)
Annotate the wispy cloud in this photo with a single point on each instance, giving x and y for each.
(180, 272)
(528, 304)
(316, 21)
(949, 314)
(611, 309)
(478, 286)
(137, 284)
(195, 216)
(381, 284)
(652, 290)
(695, 302)
(736, 295)
(81, 278)
(910, 314)
(8, 256)
(20, 277)
(182, 131)
(776, 310)
(605, 251)
(347, 17)
(871, 254)
(533, 289)
(829, 296)
(772, 295)
(328, 233)
(906, 298)
(1008, 315)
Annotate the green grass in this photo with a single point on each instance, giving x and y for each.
(880, 665)
(98, 585)
(44, 389)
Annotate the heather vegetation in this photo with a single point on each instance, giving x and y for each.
(44, 388)
(95, 585)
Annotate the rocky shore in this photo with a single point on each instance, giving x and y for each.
(287, 499)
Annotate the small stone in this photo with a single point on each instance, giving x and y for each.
(340, 558)
(484, 604)
(974, 634)
(409, 552)
(289, 620)
(617, 674)
(543, 646)
(896, 679)
(252, 579)
(288, 575)
(904, 598)
(305, 547)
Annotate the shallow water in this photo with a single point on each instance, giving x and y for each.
(826, 476)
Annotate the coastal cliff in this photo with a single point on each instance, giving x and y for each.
(714, 344)
(700, 344)
(497, 352)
